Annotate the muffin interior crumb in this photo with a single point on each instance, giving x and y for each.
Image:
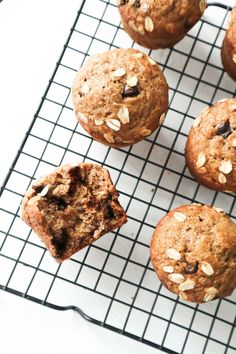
(78, 207)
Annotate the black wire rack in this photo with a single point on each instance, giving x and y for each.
(112, 282)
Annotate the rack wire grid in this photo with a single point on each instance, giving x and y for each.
(112, 282)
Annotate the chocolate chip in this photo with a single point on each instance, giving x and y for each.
(75, 173)
(130, 91)
(191, 268)
(224, 129)
(76, 178)
(59, 241)
(60, 203)
(109, 212)
(137, 3)
(38, 189)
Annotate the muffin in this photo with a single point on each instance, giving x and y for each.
(72, 207)
(211, 146)
(193, 251)
(228, 50)
(120, 96)
(159, 23)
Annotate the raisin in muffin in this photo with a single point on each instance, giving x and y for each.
(159, 23)
(211, 146)
(120, 96)
(72, 207)
(228, 50)
(193, 251)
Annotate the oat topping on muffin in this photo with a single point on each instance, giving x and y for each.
(159, 24)
(210, 149)
(72, 207)
(195, 256)
(125, 99)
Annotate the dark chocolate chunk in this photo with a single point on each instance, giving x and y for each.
(59, 202)
(59, 241)
(76, 177)
(62, 205)
(135, 4)
(109, 212)
(38, 189)
(191, 268)
(224, 129)
(130, 91)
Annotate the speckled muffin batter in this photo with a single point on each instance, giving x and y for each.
(211, 146)
(193, 251)
(72, 207)
(228, 50)
(159, 23)
(120, 96)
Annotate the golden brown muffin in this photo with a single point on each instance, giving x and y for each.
(72, 207)
(211, 146)
(120, 96)
(159, 23)
(193, 251)
(228, 50)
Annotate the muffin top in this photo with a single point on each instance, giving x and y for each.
(211, 146)
(165, 18)
(193, 251)
(120, 96)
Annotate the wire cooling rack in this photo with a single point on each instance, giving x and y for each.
(112, 282)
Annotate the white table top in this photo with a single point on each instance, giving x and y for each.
(32, 35)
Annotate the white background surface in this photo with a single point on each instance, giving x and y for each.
(32, 34)
(31, 37)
